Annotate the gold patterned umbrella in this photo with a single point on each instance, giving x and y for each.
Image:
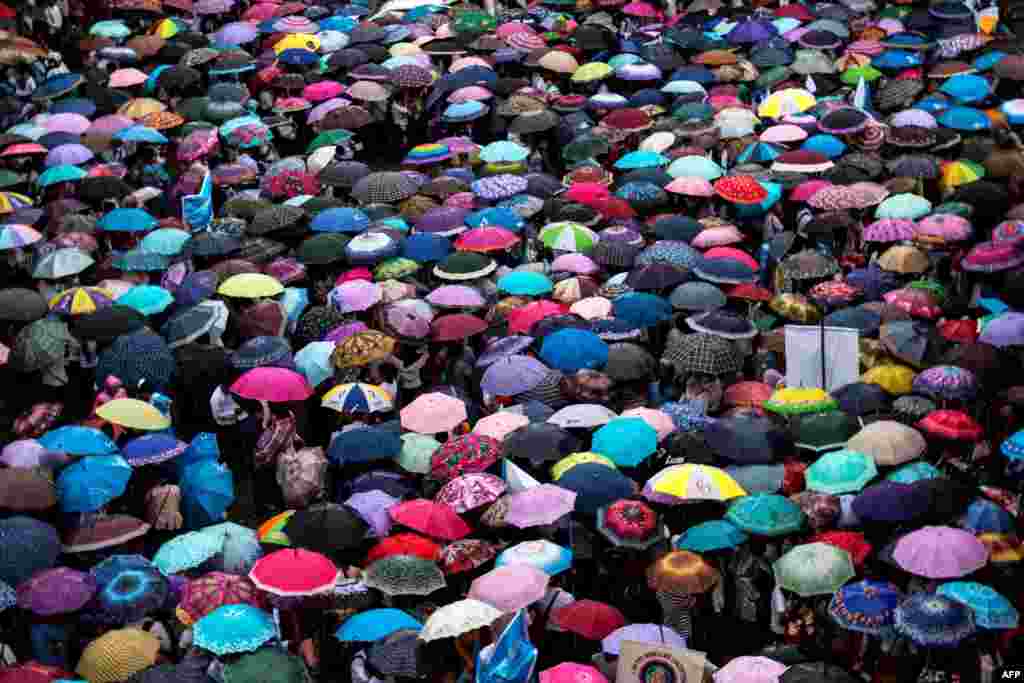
(362, 349)
(795, 307)
(681, 572)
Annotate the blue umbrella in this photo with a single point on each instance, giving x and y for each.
(92, 482)
(76, 440)
(231, 629)
(571, 350)
(896, 59)
(423, 247)
(829, 145)
(375, 624)
(718, 534)
(130, 592)
(964, 118)
(766, 514)
(626, 440)
(988, 60)
(146, 299)
(207, 490)
(966, 88)
(991, 609)
(63, 173)
(203, 447)
(861, 319)
(340, 219)
(549, 557)
(496, 216)
(933, 104)
(983, 516)
(141, 134)
(912, 472)
(364, 445)
(187, 551)
(127, 220)
(26, 547)
(298, 57)
(239, 547)
(595, 486)
(57, 85)
(642, 309)
(8, 598)
(759, 153)
(931, 620)
(74, 105)
(524, 283)
(889, 501)
(866, 606)
(151, 449)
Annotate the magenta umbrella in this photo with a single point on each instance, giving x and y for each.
(276, 385)
(940, 552)
(544, 504)
(456, 296)
(510, 587)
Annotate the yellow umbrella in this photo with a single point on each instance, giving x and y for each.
(11, 201)
(81, 300)
(165, 28)
(1003, 547)
(894, 378)
(141, 106)
(570, 461)
(798, 400)
(297, 41)
(134, 414)
(786, 103)
(250, 286)
(118, 654)
(962, 172)
(697, 482)
(591, 71)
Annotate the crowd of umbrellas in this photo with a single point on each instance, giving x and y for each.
(429, 342)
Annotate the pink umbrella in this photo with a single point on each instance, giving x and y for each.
(940, 552)
(76, 124)
(540, 505)
(126, 78)
(806, 189)
(409, 318)
(510, 587)
(512, 27)
(456, 296)
(261, 12)
(658, 420)
(469, 491)
(355, 296)
(459, 145)
(433, 413)
(946, 227)
(691, 186)
(487, 238)
(470, 93)
(750, 670)
(322, 91)
(571, 672)
(276, 385)
(732, 254)
(717, 237)
(783, 133)
(890, 230)
(575, 263)
(500, 424)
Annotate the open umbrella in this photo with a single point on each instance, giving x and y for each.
(814, 569)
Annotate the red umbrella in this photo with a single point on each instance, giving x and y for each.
(614, 208)
(33, 672)
(747, 394)
(487, 238)
(430, 518)
(741, 189)
(750, 292)
(851, 541)
(586, 193)
(456, 327)
(467, 555)
(294, 572)
(471, 452)
(521, 319)
(591, 619)
(955, 425)
(404, 544)
(960, 331)
(277, 385)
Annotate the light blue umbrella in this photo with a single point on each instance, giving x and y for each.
(628, 441)
(524, 283)
(964, 118)
(496, 216)
(113, 28)
(905, 205)
(718, 534)
(139, 261)
(695, 165)
(165, 241)
(187, 551)
(76, 440)
(546, 556)
(314, 361)
(146, 299)
(966, 88)
(766, 514)
(842, 471)
(641, 158)
(914, 471)
(295, 300)
(239, 547)
(375, 624)
(92, 482)
(64, 173)
(503, 151)
(127, 220)
(231, 629)
(28, 130)
(991, 609)
(140, 133)
(207, 490)
(571, 349)
(829, 145)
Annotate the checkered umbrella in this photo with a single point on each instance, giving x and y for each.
(384, 187)
(705, 353)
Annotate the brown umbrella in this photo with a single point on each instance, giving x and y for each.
(682, 573)
(26, 489)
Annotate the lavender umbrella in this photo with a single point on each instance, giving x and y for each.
(940, 552)
(456, 296)
(513, 375)
(1005, 330)
(544, 504)
(503, 348)
(373, 507)
(642, 633)
(236, 33)
(946, 382)
(73, 154)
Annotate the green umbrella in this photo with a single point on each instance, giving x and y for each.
(267, 665)
(395, 268)
(329, 138)
(323, 249)
(417, 449)
(585, 147)
(404, 575)
(766, 514)
(842, 471)
(41, 344)
(824, 431)
(814, 569)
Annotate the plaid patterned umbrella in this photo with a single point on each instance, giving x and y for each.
(704, 353)
(385, 187)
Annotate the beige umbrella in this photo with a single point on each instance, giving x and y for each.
(888, 442)
(903, 259)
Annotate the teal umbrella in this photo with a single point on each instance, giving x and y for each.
(914, 471)
(146, 299)
(814, 569)
(766, 514)
(628, 441)
(842, 471)
(991, 609)
(64, 173)
(524, 283)
(165, 241)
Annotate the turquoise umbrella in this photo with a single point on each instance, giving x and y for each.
(814, 569)
(641, 159)
(503, 151)
(991, 609)
(141, 134)
(524, 283)
(113, 28)
(964, 118)
(906, 205)
(127, 220)
(186, 551)
(628, 441)
(147, 299)
(694, 165)
(842, 471)
(232, 629)
(375, 624)
(914, 471)
(314, 361)
(64, 173)
(965, 88)
(766, 514)
(165, 241)
(718, 534)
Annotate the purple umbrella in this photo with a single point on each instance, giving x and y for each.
(345, 330)
(940, 552)
(442, 220)
(642, 633)
(503, 348)
(889, 501)
(544, 504)
(513, 375)
(751, 31)
(373, 507)
(73, 154)
(237, 33)
(456, 296)
(1006, 330)
(321, 110)
(874, 281)
(56, 591)
(946, 381)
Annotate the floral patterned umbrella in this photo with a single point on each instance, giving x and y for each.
(470, 491)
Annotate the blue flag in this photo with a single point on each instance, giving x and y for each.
(512, 658)
(197, 209)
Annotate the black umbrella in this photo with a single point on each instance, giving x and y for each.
(96, 189)
(106, 324)
(746, 440)
(540, 442)
(396, 655)
(178, 77)
(327, 528)
(817, 672)
(656, 276)
(860, 398)
(21, 305)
